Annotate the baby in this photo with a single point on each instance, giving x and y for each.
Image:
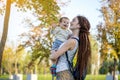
(61, 33)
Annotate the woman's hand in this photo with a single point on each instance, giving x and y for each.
(52, 57)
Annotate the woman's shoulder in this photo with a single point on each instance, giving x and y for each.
(71, 42)
(73, 39)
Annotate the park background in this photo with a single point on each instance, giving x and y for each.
(26, 41)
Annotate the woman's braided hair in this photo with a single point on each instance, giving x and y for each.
(84, 50)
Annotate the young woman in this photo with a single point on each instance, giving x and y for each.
(80, 27)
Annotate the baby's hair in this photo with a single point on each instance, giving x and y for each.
(63, 18)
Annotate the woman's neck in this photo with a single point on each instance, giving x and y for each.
(75, 33)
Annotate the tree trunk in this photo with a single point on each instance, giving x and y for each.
(5, 30)
(16, 67)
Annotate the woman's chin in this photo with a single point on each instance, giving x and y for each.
(71, 28)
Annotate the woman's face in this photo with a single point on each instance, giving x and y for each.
(74, 23)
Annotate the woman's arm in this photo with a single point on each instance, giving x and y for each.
(68, 45)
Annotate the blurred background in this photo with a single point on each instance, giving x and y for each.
(25, 39)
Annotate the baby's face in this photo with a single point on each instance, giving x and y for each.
(65, 23)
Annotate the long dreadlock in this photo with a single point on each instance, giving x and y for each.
(84, 50)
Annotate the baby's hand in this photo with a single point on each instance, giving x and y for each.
(54, 25)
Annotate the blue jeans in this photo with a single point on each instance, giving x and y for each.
(56, 44)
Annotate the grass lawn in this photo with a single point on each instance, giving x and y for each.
(88, 77)
(49, 77)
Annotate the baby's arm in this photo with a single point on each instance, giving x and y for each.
(52, 28)
(55, 30)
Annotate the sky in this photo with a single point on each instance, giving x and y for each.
(87, 8)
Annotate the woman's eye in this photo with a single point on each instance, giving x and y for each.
(73, 20)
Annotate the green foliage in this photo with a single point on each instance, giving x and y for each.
(39, 46)
(46, 11)
(8, 60)
(109, 31)
(94, 55)
(94, 50)
(40, 52)
(2, 9)
(14, 58)
(107, 66)
(103, 70)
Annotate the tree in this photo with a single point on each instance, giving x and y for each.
(8, 60)
(44, 10)
(94, 56)
(109, 31)
(5, 31)
(18, 57)
(12, 59)
(39, 45)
